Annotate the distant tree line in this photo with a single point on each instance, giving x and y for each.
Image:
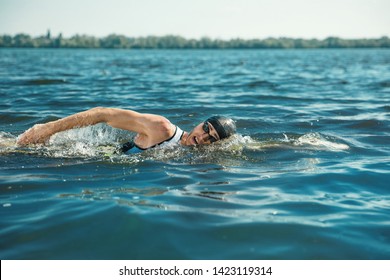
(177, 42)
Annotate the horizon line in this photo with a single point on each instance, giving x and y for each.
(198, 38)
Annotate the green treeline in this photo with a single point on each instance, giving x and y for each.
(177, 42)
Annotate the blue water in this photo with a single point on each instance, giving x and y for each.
(307, 176)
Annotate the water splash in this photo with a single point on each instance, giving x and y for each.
(320, 142)
(102, 141)
(310, 141)
(7, 140)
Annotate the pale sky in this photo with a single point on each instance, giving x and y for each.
(222, 19)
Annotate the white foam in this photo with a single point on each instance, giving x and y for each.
(318, 141)
(92, 141)
(309, 141)
(102, 141)
(7, 140)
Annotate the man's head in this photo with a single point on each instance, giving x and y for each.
(213, 129)
(225, 127)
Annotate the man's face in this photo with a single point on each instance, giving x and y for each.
(203, 134)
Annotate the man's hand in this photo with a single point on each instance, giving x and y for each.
(38, 134)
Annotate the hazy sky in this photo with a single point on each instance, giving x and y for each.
(222, 19)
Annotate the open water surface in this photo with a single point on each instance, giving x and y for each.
(307, 176)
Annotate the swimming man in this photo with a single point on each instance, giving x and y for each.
(152, 130)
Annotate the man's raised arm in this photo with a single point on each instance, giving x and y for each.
(118, 118)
